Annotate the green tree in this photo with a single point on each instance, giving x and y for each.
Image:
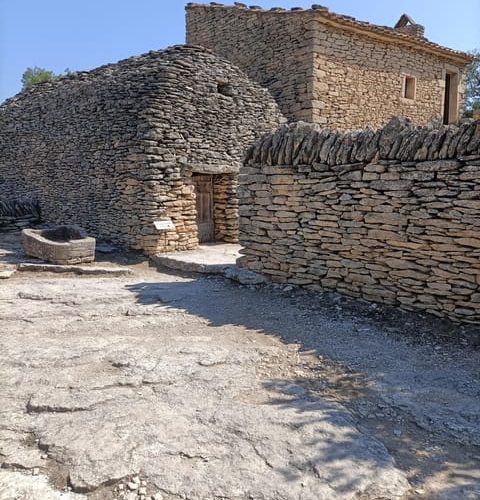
(31, 76)
(472, 84)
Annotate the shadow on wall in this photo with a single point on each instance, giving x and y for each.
(377, 340)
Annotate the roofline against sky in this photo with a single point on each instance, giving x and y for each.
(348, 23)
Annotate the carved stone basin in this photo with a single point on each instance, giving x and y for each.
(60, 245)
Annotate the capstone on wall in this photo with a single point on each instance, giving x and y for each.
(391, 216)
(114, 149)
(330, 69)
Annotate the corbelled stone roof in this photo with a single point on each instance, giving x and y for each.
(184, 97)
(177, 59)
(385, 33)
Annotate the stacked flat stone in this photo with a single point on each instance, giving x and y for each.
(113, 149)
(270, 47)
(18, 213)
(225, 202)
(391, 215)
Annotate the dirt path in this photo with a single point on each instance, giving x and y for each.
(197, 388)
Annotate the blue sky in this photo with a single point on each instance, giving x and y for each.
(83, 34)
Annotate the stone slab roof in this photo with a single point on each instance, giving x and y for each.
(348, 23)
(131, 69)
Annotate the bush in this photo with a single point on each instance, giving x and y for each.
(32, 76)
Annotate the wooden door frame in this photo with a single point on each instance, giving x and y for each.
(205, 230)
(451, 93)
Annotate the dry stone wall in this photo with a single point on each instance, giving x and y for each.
(272, 49)
(16, 214)
(391, 215)
(225, 202)
(113, 149)
(329, 69)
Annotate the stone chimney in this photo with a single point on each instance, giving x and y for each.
(408, 26)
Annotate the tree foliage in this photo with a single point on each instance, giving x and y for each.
(34, 75)
(472, 83)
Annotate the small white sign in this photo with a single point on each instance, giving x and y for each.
(164, 225)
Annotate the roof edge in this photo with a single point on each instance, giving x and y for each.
(85, 75)
(384, 33)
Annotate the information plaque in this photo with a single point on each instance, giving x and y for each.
(164, 225)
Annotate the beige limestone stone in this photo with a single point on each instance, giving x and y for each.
(337, 74)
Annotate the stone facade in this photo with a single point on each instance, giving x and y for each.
(391, 216)
(225, 202)
(334, 70)
(114, 149)
(272, 49)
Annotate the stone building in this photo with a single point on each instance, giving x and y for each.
(332, 69)
(144, 152)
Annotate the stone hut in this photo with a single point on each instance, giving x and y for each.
(334, 70)
(144, 152)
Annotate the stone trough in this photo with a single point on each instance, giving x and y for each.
(60, 245)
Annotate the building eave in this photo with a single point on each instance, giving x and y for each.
(389, 35)
(385, 34)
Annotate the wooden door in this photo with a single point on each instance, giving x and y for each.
(205, 217)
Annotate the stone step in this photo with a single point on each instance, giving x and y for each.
(84, 270)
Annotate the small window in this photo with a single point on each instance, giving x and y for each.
(225, 89)
(409, 87)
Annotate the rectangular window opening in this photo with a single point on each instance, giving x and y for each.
(409, 87)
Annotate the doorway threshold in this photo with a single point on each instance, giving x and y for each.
(208, 258)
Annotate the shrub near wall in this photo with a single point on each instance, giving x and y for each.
(391, 215)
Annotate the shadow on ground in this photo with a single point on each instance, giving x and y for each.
(343, 331)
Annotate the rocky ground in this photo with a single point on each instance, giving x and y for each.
(157, 385)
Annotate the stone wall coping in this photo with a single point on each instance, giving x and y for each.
(348, 23)
(303, 143)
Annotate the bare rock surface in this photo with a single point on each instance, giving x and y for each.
(75, 269)
(6, 272)
(17, 486)
(244, 276)
(207, 389)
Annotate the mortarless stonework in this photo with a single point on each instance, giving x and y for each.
(18, 213)
(226, 207)
(331, 69)
(114, 149)
(391, 216)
